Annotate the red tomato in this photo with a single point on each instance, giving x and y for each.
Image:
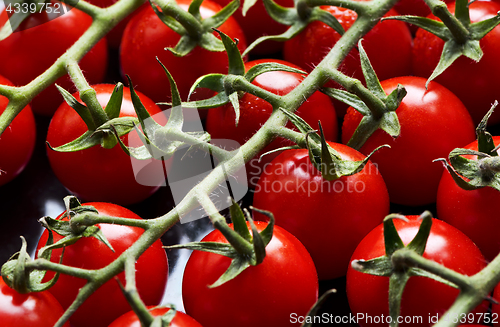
(263, 295)
(473, 212)
(130, 319)
(433, 122)
(100, 174)
(254, 112)
(28, 310)
(423, 298)
(151, 270)
(51, 36)
(310, 47)
(146, 38)
(257, 23)
(114, 37)
(298, 196)
(474, 83)
(18, 140)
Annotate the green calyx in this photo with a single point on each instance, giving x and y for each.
(246, 247)
(225, 85)
(377, 108)
(193, 29)
(484, 168)
(394, 264)
(70, 230)
(326, 159)
(461, 37)
(17, 272)
(297, 18)
(104, 125)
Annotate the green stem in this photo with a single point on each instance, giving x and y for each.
(43, 264)
(133, 296)
(89, 219)
(376, 106)
(239, 83)
(410, 258)
(104, 21)
(236, 240)
(296, 137)
(458, 30)
(189, 22)
(87, 93)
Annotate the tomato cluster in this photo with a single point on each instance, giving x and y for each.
(322, 225)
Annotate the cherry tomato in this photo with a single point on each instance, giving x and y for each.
(108, 302)
(51, 36)
(28, 310)
(474, 83)
(314, 210)
(18, 140)
(99, 174)
(392, 59)
(146, 38)
(263, 295)
(472, 211)
(257, 23)
(114, 37)
(423, 298)
(433, 122)
(130, 319)
(255, 111)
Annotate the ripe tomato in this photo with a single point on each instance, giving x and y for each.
(100, 174)
(473, 212)
(316, 40)
(146, 38)
(263, 295)
(296, 193)
(423, 298)
(18, 140)
(51, 36)
(114, 37)
(90, 253)
(257, 23)
(433, 122)
(474, 83)
(28, 310)
(255, 111)
(130, 319)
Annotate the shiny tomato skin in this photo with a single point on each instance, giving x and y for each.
(473, 212)
(114, 37)
(263, 295)
(474, 83)
(151, 270)
(146, 38)
(18, 140)
(257, 23)
(316, 40)
(51, 38)
(254, 112)
(39, 309)
(313, 209)
(99, 174)
(130, 319)
(422, 297)
(433, 122)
